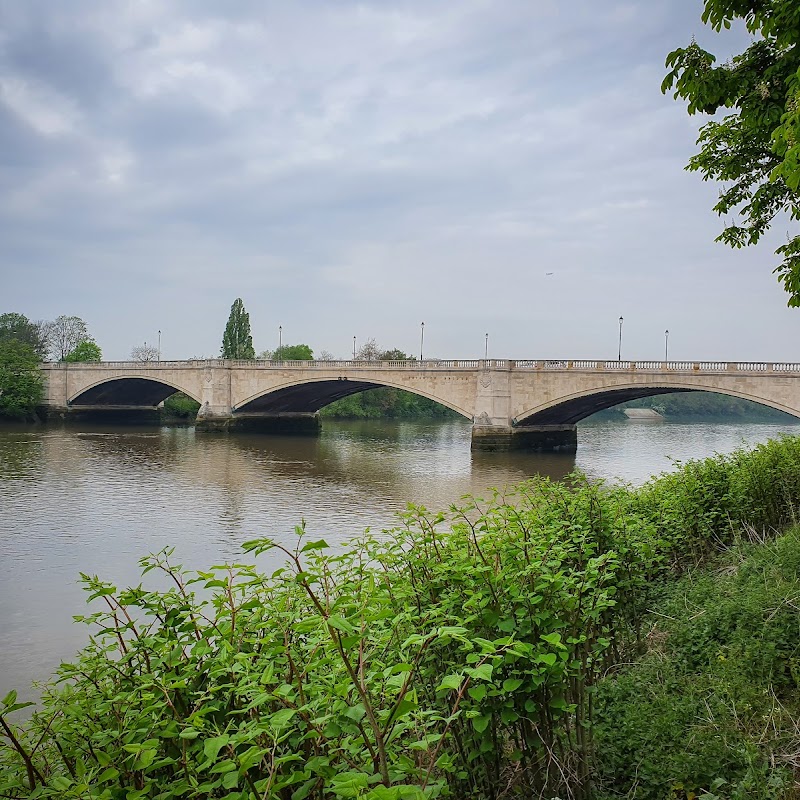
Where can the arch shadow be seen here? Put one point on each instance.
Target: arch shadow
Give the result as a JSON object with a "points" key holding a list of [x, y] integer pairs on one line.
{"points": [[127, 391], [574, 408], [311, 395]]}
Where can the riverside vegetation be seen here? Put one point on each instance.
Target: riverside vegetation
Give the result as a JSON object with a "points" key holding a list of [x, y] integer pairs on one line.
{"points": [[535, 644]]}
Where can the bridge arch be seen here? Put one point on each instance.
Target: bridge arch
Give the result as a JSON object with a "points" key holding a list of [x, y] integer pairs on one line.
{"points": [[312, 394], [573, 408], [128, 390]]}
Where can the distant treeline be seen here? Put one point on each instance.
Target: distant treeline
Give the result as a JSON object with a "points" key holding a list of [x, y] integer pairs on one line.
{"points": [[700, 405], [387, 403]]}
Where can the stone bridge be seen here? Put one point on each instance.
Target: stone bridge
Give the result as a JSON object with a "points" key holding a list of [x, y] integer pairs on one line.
{"points": [[511, 404]]}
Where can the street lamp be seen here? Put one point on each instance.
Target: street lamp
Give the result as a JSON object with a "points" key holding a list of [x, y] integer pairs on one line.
{"points": [[354, 348], [421, 338], [486, 349], [666, 345], [280, 342], [159, 345], [619, 351]]}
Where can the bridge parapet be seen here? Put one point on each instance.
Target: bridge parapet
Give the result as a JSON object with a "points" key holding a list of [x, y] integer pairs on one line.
{"points": [[439, 364]]}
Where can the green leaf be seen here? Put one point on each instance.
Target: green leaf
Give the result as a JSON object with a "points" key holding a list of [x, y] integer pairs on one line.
{"points": [[477, 693], [189, 733], [340, 624], [452, 681], [512, 684], [356, 712], [211, 747], [481, 723], [481, 673], [230, 779], [552, 638], [320, 544], [281, 718]]}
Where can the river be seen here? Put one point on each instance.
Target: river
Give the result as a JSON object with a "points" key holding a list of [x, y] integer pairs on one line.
{"points": [[95, 500]]}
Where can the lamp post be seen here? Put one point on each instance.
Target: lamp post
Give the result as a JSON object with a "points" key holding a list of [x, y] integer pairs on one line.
{"points": [[619, 350], [486, 348], [159, 345], [666, 345], [354, 348], [421, 338], [280, 342]]}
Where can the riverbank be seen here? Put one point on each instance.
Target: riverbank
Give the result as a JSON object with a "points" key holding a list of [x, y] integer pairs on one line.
{"points": [[460, 654]]}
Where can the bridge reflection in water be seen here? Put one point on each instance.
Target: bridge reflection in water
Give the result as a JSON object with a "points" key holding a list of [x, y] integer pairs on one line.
{"points": [[512, 405]]}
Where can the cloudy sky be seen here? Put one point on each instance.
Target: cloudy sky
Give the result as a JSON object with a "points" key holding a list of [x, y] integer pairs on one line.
{"points": [[356, 168]]}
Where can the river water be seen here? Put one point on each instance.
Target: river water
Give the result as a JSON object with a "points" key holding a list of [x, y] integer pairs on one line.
{"points": [[95, 500]]}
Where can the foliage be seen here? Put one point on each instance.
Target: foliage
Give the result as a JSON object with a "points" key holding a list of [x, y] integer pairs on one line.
{"points": [[754, 151], [21, 383], [20, 328], [387, 403], [457, 656], [65, 334], [290, 352], [237, 342], [85, 351], [144, 352], [711, 708], [180, 405]]}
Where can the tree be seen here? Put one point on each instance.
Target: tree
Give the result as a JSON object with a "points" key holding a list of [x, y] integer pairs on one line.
{"points": [[85, 351], [395, 355], [754, 151], [65, 334], [21, 329], [293, 352], [21, 382], [237, 341], [144, 352], [369, 351], [325, 355]]}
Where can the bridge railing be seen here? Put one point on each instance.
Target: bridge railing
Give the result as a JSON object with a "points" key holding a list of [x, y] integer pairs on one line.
{"points": [[448, 364]]}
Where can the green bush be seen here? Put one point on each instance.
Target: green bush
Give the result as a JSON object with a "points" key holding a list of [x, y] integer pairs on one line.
{"points": [[181, 406], [457, 656]]}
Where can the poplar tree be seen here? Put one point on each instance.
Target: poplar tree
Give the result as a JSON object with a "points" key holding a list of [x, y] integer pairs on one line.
{"points": [[237, 341]]}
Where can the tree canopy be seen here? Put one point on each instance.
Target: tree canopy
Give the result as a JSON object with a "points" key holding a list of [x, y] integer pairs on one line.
{"points": [[237, 341], [65, 334], [144, 352], [20, 328], [85, 351], [21, 382], [292, 352], [754, 151]]}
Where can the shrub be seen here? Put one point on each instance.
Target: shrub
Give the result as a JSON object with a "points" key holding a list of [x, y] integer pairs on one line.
{"points": [[458, 655]]}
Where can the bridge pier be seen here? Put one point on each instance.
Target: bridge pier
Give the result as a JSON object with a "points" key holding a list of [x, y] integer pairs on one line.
{"points": [[283, 424], [534, 438]]}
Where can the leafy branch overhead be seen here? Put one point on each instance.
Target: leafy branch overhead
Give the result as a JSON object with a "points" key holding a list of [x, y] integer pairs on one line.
{"points": [[753, 150]]}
